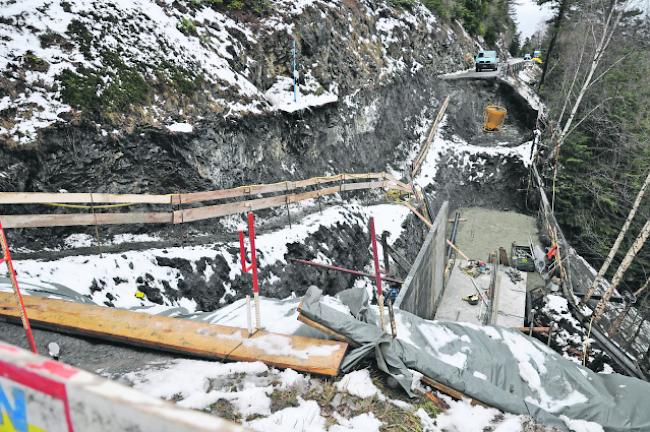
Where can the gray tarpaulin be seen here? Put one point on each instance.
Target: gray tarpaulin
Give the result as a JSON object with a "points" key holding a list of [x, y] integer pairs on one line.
{"points": [[500, 367]]}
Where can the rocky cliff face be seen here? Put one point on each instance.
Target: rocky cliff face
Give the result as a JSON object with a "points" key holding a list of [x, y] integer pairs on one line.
{"points": [[162, 96]]}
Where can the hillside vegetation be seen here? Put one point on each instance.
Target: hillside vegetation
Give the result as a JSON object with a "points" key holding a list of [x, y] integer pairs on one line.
{"points": [[606, 155]]}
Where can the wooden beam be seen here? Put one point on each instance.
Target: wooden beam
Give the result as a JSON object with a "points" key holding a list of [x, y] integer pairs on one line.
{"points": [[185, 198], [80, 198], [285, 186], [83, 219], [205, 212], [424, 150], [420, 216], [178, 335]]}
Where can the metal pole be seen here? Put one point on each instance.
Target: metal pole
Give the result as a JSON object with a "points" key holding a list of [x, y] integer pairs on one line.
{"points": [[242, 252], [295, 72], [252, 267], [6, 257], [375, 257], [384, 246], [256, 288], [344, 270], [454, 230]]}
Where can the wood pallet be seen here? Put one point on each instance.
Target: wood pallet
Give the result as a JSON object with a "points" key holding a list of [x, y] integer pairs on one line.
{"points": [[209, 341]]}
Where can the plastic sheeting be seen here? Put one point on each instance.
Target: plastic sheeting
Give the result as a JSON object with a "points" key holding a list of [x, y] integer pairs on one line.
{"points": [[497, 366]]}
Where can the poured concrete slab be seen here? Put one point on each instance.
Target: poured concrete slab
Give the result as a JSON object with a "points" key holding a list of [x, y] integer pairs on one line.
{"points": [[509, 304], [482, 231], [452, 307], [509, 299]]}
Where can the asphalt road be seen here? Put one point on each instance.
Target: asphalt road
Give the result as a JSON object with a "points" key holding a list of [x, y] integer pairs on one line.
{"points": [[488, 74]]}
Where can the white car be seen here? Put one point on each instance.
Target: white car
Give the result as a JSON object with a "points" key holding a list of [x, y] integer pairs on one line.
{"points": [[527, 57]]}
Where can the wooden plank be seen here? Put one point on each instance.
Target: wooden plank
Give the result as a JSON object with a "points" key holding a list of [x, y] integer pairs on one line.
{"points": [[185, 198], [80, 198], [81, 219], [365, 185], [197, 213], [285, 186], [218, 210], [195, 338], [422, 155]]}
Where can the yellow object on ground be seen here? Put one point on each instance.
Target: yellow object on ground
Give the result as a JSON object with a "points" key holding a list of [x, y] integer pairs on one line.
{"points": [[537, 60], [494, 117], [139, 294]]}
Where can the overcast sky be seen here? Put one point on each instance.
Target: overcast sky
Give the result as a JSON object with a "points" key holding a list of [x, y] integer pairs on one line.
{"points": [[530, 17]]}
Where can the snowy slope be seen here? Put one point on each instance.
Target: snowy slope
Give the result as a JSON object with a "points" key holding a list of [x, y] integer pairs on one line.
{"points": [[115, 277], [167, 61]]}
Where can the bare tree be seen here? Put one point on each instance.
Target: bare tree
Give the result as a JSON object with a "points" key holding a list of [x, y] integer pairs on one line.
{"points": [[617, 243], [618, 276], [610, 26], [557, 22]]}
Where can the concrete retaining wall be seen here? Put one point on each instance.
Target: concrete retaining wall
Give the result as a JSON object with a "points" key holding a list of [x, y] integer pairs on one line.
{"points": [[40, 394], [423, 287]]}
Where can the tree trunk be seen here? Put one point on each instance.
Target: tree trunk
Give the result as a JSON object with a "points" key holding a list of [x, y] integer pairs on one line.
{"points": [[638, 292], [557, 22], [608, 31], [617, 244], [618, 276], [616, 324]]}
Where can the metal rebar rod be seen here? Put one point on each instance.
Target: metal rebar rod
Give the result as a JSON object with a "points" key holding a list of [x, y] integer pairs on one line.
{"points": [[344, 270]]}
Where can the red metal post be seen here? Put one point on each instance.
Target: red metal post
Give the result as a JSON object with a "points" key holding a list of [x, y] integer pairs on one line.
{"points": [[4, 246], [251, 237], [242, 252], [375, 255]]}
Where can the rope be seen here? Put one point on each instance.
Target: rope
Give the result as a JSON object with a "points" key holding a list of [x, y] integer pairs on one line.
{"points": [[80, 206]]}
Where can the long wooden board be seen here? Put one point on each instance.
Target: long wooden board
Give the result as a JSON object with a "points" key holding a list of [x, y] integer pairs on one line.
{"points": [[285, 186], [178, 335], [84, 219], [424, 150], [187, 215], [81, 198], [184, 198]]}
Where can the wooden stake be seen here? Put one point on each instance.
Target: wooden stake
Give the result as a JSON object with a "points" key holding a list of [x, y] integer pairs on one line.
{"points": [[380, 303], [249, 317], [391, 317], [258, 314]]}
